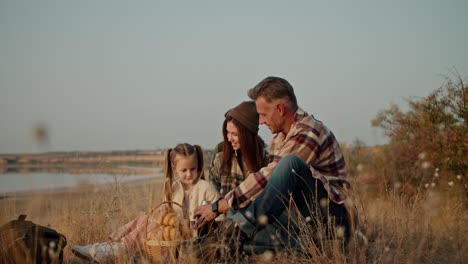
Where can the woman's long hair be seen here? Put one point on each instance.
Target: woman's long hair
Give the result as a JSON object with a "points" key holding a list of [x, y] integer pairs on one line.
{"points": [[252, 149]]}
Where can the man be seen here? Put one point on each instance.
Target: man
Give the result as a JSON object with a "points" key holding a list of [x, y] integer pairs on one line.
{"points": [[306, 165]]}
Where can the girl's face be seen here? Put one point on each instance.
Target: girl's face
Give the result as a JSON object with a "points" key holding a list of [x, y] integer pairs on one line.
{"points": [[232, 135], [186, 169]]}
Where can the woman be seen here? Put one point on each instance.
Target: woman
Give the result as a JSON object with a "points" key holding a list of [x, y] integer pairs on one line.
{"points": [[242, 152]]}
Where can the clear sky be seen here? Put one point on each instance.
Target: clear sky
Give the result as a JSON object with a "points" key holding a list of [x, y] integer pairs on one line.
{"points": [[121, 75]]}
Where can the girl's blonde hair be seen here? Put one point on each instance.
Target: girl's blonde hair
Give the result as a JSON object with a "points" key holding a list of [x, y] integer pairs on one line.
{"points": [[170, 160]]}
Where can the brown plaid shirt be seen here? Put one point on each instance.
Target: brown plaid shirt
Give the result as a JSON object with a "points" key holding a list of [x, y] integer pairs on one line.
{"points": [[314, 143], [225, 183]]}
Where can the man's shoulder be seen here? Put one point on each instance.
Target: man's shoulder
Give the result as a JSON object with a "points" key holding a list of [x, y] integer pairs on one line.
{"points": [[309, 124]]}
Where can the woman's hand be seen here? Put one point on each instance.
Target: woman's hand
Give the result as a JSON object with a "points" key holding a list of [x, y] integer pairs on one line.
{"points": [[203, 214]]}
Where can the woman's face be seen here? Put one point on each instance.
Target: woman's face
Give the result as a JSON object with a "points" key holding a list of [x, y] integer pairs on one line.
{"points": [[186, 169], [232, 135]]}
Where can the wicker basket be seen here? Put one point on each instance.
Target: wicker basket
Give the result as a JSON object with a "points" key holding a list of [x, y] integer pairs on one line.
{"points": [[160, 251], [156, 251]]}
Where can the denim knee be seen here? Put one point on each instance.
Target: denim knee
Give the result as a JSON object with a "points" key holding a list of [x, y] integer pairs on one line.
{"points": [[285, 166], [292, 163], [290, 159]]}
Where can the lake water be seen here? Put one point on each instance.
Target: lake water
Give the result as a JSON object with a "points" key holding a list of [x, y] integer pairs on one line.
{"points": [[38, 181]]}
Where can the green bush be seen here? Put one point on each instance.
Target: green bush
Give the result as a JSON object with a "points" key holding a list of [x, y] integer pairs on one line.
{"points": [[428, 143]]}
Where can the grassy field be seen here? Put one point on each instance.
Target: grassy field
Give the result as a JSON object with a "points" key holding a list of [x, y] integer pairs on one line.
{"points": [[429, 228]]}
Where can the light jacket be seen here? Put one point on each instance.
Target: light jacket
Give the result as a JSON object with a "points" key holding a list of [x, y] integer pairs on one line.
{"points": [[203, 190]]}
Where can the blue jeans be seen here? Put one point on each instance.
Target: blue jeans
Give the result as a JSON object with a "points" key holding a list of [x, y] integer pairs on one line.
{"points": [[290, 180]]}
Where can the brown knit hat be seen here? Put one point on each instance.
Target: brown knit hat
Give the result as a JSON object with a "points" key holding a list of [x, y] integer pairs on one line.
{"points": [[246, 114]]}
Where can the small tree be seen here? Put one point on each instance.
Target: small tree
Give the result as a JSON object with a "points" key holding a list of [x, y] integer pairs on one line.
{"points": [[431, 136]]}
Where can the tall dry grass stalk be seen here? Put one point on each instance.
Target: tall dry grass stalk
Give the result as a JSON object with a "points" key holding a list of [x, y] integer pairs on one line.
{"points": [[431, 228]]}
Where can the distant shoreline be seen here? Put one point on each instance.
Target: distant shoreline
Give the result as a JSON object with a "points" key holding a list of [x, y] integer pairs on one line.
{"points": [[154, 158], [76, 189], [108, 162], [126, 169], [93, 165]]}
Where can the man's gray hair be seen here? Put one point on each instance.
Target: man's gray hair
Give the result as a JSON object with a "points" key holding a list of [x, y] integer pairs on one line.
{"points": [[272, 88]]}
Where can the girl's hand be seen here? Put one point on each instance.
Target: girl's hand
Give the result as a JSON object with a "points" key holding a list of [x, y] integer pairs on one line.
{"points": [[203, 214]]}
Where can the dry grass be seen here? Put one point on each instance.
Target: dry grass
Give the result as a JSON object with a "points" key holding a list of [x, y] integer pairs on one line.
{"points": [[431, 228], [86, 214]]}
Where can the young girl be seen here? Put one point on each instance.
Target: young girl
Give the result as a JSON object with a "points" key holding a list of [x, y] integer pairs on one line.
{"points": [[189, 189]]}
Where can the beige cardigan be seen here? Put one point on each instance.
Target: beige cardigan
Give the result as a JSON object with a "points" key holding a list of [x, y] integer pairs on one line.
{"points": [[202, 190]]}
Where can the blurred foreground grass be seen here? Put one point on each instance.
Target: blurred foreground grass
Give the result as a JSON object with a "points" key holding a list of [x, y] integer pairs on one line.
{"points": [[431, 227]]}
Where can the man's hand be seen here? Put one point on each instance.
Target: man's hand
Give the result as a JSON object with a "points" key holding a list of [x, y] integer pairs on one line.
{"points": [[203, 214]]}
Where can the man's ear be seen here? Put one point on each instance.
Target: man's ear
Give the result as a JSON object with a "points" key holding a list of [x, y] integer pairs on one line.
{"points": [[281, 109]]}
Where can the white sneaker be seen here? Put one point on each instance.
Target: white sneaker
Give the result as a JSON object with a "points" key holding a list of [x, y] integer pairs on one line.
{"points": [[82, 251], [99, 252]]}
